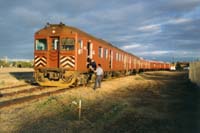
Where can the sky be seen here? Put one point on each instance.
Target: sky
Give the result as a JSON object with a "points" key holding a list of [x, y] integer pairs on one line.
{"points": [[166, 30]]}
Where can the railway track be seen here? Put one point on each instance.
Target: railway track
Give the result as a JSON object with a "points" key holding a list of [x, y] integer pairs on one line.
{"points": [[13, 87], [14, 95], [27, 94], [29, 90]]}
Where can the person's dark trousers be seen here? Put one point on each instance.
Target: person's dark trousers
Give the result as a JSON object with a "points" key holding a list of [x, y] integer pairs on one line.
{"points": [[98, 82], [89, 77]]}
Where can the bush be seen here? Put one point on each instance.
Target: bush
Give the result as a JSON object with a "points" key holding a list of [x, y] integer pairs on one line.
{"points": [[23, 64], [3, 63], [19, 64]]}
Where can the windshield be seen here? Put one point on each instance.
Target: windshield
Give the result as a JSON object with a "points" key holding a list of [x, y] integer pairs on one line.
{"points": [[41, 44], [67, 44]]}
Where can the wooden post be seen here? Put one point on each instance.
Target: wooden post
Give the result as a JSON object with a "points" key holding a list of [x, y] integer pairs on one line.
{"points": [[79, 110]]}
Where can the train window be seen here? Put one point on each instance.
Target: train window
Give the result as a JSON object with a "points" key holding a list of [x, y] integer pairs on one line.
{"points": [[41, 44], [100, 52], [80, 42], [117, 56], [67, 44], [106, 53]]}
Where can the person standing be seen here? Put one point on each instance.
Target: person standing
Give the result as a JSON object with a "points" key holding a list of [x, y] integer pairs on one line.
{"points": [[99, 76]]}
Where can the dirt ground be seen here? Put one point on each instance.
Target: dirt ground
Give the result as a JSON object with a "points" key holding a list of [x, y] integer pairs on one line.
{"points": [[152, 102]]}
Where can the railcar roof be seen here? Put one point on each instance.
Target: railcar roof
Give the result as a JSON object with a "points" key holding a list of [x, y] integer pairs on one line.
{"points": [[61, 25]]}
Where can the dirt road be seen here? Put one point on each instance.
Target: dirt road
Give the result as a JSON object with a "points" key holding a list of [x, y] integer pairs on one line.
{"points": [[161, 102]]}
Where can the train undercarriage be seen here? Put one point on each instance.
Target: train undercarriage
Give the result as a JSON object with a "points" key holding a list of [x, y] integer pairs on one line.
{"points": [[65, 78], [56, 77]]}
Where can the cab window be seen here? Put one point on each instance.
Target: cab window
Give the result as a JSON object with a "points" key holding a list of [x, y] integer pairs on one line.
{"points": [[67, 44], [41, 44]]}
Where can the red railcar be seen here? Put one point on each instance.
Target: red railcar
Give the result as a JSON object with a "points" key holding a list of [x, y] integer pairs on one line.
{"points": [[61, 55]]}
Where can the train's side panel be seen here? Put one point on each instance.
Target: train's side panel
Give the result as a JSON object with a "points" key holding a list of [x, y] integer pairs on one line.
{"points": [[98, 51], [82, 52], [111, 58], [100, 54]]}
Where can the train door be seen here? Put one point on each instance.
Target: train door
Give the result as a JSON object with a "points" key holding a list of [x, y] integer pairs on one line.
{"points": [[89, 50], [111, 60], [54, 52]]}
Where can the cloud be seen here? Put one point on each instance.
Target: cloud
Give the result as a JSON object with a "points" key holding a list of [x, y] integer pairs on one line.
{"points": [[150, 28], [132, 46], [183, 5], [27, 16], [180, 20], [155, 53], [153, 29]]}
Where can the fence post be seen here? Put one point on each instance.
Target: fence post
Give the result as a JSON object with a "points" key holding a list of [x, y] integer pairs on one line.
{"points": [[79, 110]]}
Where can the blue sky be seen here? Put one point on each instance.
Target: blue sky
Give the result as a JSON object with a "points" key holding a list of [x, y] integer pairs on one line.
{"points": [[159, 29]]}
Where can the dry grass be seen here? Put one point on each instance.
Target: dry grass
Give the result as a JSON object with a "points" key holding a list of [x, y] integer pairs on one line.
{"points": [[10, 69], [15, 76], [140, 103]]}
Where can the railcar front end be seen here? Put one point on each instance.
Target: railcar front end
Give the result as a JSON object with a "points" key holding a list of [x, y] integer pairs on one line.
{"points": [[54, 56]]}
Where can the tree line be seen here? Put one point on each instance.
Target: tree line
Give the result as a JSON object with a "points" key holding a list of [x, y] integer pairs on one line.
{"points": [[19, 64]]}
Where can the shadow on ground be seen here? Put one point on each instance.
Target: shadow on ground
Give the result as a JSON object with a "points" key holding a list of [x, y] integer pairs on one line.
{"points": [[181, 100], [169, 106], [25, 76]]}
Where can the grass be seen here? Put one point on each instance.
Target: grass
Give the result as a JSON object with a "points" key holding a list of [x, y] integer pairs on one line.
{"points": [[126, 104], [139, 78], [2, 83]]}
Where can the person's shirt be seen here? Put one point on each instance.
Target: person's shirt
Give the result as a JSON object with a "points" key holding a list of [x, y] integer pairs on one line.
{"points": [[99, 71]]}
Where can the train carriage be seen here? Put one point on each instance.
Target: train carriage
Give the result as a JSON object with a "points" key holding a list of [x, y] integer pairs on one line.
{"points": [[61, 56]]}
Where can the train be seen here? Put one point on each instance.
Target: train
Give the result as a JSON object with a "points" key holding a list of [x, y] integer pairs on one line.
{"points": [[61, 54]]}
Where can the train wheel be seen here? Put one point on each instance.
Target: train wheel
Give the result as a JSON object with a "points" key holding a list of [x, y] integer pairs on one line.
{"points": [[69, 78]]}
